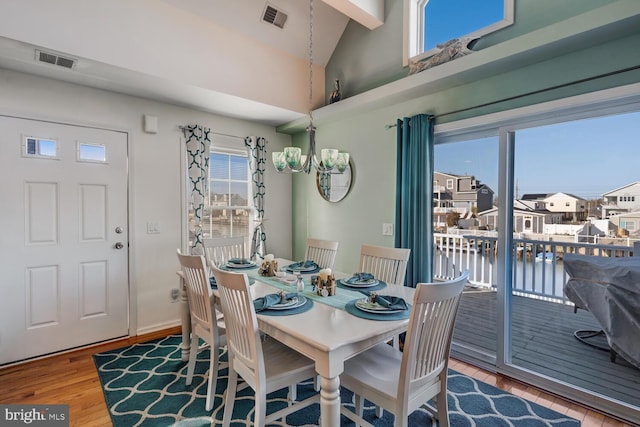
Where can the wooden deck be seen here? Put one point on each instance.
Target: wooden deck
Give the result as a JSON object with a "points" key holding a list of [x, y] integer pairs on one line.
{"points": [[543, 342]]}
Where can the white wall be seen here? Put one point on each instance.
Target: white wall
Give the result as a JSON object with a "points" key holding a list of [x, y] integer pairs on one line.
{"points": [[155, 176], [157, 39]]}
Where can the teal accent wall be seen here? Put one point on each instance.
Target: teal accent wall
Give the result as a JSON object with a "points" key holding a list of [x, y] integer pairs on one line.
{"points": [[365, 59], [358, 218]]}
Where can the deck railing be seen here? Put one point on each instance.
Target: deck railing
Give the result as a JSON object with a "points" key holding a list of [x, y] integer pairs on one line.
{"points": [[537, 267]]}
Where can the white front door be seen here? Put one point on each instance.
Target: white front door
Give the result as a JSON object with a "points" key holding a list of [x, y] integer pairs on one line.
{"points": [[64, 240]]}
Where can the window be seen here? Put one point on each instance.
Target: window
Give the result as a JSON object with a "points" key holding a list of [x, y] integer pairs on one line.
{"points": [[230, 204], [228, 208], [39, 147], [428, 23], [449, 184], [92, 153], [567, 203]]}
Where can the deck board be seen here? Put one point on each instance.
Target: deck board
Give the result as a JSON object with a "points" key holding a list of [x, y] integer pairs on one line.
{"points": [[543, 342]]}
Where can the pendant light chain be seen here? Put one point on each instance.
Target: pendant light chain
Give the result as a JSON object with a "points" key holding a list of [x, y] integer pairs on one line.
{"points": [[291, 159], [311, 62]]}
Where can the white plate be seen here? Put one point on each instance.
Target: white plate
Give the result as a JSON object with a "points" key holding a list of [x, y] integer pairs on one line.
{"points": [[294, 302], [366, 284], [232, 265], [365, 305]]}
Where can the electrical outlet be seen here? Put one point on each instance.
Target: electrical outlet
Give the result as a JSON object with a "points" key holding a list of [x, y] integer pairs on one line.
{"points": [[174, 295], [387, 229]]}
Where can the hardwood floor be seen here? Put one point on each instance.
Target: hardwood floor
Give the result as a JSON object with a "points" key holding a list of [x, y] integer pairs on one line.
{"points": [[71, 378]]}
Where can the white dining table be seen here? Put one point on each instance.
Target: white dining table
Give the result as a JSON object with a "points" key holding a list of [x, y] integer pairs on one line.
{"points": [[325, 334]]}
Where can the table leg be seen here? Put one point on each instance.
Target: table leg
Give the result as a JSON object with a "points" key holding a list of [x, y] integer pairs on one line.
{"points": [[185, 319], [329, 402]]}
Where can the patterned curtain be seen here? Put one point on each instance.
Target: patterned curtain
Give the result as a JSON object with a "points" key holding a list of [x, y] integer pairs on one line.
{"points": [[414, 195], [198, 154], [257, 153]]}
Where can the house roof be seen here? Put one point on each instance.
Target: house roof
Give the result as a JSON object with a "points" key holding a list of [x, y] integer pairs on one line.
{"points": [[637, 183], [535, 196]]}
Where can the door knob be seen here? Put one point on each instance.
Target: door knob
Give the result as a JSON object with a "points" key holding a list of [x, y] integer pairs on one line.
{"points": [[119, 245], [119, 230]]}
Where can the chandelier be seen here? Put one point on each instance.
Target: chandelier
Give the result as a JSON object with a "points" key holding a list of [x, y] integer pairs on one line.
{"points": [[292, 160]]}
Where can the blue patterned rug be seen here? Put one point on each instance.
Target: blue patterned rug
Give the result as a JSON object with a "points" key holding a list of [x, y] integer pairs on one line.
{"points": [[144, 385]]}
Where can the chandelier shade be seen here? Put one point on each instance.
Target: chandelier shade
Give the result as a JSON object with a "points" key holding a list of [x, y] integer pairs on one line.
{"points": [[292, 160]]}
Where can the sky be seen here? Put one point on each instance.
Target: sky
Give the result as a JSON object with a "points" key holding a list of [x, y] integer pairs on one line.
{"points": [[440, 27], [585, 158]]}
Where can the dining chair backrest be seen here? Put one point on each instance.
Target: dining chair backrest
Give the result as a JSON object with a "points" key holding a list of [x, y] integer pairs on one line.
{"points": [[386, 264], [243, 335], [205, 322], [219, 250], [428, 340], [196, 278], [322, 252]]}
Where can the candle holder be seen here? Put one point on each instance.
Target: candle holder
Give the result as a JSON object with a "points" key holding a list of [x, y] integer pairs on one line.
{"points": [[268, 268], [324, 288]]}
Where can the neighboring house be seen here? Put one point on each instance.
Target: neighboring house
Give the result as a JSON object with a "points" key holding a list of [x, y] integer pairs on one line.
{"points": [[524, 220], [571, 208], [535, 204], [460, 193], [627, 224], [621, 200]]}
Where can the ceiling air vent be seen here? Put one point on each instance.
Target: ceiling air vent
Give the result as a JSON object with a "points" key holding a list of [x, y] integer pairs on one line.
{"points": [[274, 16], [54, 59]]}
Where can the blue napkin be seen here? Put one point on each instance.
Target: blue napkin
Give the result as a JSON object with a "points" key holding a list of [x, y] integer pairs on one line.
{"points": [[391, 302], [360, 277], [240, 261], [268, 300], [213, 283], [308, 264]]}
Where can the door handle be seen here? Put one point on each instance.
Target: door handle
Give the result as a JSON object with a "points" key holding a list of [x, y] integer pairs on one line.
{"points": [[119, 245]]}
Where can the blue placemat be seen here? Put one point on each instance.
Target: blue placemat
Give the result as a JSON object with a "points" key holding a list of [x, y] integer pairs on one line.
{"points": [[304, 307], [250, 267], [379, 286], [352, 309], [295, 267]]}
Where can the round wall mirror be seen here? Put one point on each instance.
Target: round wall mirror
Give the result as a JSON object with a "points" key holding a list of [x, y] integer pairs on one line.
{"points": [[334, 186]]}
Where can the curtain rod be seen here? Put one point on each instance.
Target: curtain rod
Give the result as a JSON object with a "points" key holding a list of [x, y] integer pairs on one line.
{"points": [[183, 128], [535, 92]]}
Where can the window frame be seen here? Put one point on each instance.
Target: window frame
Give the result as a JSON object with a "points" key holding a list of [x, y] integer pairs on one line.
{"points": [[413, 29], [250, 205]]}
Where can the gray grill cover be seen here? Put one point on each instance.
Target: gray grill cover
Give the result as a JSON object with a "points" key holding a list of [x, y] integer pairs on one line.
{"points": [[610, 289]]}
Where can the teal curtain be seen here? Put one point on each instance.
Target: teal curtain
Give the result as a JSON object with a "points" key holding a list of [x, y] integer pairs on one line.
{"points": [[198, 143], [414, 195], [257, 152]]}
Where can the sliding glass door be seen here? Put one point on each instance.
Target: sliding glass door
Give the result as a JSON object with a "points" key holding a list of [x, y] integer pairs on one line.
{"points": [[562, 181]]}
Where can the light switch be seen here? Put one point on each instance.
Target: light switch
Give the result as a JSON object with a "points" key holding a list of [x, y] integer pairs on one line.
{"points": [[153, 227], [387, 229]]}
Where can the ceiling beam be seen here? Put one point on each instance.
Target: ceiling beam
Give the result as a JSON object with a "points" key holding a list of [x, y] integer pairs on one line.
{"points": [[369, 13]]}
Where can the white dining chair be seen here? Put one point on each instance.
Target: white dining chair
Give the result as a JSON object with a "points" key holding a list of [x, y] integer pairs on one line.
{"points": [[205, 323], [386, 264], [402, 382], [322, 252], [219, 250], [265, 365]]}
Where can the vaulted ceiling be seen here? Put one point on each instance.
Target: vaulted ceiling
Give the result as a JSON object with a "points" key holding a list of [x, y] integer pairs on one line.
{"points": [[218, 56]]}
